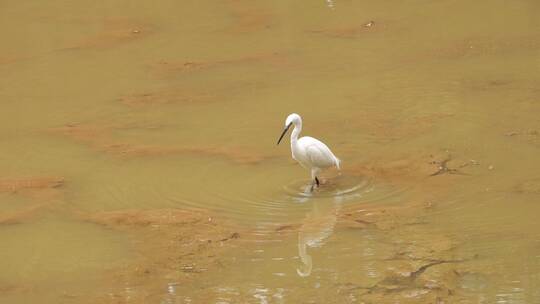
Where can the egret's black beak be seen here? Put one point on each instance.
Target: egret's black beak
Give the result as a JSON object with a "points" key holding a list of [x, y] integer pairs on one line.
{"points": [[284, 131]]}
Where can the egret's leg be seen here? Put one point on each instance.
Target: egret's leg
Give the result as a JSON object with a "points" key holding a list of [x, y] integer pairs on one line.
{"points": [[314, 172]]}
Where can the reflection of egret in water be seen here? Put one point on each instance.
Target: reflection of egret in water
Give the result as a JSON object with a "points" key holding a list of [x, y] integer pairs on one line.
{"points": [[317, 227], [326, 203], [330, 4]]}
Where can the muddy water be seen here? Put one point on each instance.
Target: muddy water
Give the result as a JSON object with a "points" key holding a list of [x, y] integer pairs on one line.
{"points": [[139, 164]]}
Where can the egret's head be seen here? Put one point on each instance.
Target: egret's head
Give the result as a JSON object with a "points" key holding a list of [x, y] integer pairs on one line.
{"points": [[291, 119]]}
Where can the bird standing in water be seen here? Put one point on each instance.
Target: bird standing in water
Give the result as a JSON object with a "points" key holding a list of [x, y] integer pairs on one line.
{"points": [[310, 152]]}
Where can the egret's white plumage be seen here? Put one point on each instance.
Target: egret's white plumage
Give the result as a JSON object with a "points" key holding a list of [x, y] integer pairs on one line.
{"points": [[310, 152]]}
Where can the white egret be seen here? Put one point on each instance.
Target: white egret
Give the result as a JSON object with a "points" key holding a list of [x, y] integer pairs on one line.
{"points": [[309, 152]]}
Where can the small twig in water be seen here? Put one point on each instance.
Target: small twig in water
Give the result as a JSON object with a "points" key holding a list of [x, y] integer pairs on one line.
{"points": [[444, 169]]}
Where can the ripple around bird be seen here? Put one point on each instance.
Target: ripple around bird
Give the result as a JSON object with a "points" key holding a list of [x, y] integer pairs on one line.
{"points": [[290, 202], [259, 201]]}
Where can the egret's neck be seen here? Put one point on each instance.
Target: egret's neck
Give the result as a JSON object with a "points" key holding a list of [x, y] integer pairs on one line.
{"points": [[295, 133]]}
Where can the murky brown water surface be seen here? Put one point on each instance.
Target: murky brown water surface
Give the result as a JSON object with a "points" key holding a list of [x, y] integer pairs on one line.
{"points": [[138, 161]]}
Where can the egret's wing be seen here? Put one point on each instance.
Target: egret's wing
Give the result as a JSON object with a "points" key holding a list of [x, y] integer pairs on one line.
{"points": [[315, 155], [319, 154]]}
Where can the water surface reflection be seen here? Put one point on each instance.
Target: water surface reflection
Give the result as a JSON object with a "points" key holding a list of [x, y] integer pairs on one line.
{"points": [[317, 226]]}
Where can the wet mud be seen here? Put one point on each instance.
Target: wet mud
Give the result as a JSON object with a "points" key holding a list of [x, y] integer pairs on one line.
{"points": [[30, 184], [173, 246], [101, 138], [351, 32], [247, 18], [189, 246], [38, 194], [164, 97], [420, 115], [485, 46], [114, 31], [271, 59]]}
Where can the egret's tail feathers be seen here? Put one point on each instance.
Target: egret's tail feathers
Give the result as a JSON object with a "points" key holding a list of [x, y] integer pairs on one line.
{"points": [[338, 162]]}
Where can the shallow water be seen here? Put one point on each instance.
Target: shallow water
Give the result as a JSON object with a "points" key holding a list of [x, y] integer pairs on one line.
{"points": [[139, 163]]}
